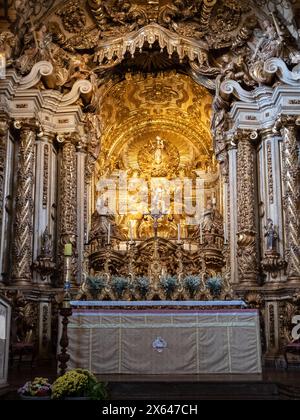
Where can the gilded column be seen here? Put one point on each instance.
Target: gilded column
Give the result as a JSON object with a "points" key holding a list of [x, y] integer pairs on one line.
{"points": [[43, 239], [81, 205], [270, 189], [23, 226], [292, 196], [232, 216], [3, 143], [247, 200], [68, 196], [3, 148]]}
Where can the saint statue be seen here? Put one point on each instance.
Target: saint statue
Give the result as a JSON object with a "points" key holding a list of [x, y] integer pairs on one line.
{"points": [[271, 235], [46, 248]]}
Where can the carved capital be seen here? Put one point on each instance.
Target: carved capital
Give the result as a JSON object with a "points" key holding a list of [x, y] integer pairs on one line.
{"points": [[68, 138], [4, 126], [28, 124], [287, 121], [245, 135]]}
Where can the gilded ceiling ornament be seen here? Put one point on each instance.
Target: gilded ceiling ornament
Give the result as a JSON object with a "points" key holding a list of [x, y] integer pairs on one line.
{"points": [[73, 16]]}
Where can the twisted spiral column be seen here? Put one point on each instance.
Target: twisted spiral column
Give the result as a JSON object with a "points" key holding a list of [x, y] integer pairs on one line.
{"points": [[247, 232], [23, 226], [292, 196]]}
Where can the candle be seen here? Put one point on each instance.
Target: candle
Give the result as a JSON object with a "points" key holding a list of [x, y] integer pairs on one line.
{"points": [[68, 250], [109, 233], [179, 232], [131, 232], [225, 233]]}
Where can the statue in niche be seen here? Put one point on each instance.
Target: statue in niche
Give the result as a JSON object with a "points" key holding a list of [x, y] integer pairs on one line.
{"points": [[46, 247], [271, 235]]}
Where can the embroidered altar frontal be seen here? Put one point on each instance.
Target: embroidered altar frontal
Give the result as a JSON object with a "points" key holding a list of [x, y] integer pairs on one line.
{"points": [[165, 341]]}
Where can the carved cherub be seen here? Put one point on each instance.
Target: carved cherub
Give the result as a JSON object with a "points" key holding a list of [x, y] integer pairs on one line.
{"points": [[8, 44]]}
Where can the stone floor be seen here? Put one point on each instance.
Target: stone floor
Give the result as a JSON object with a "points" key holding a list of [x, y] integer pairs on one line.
{"points": [[271, 385]]}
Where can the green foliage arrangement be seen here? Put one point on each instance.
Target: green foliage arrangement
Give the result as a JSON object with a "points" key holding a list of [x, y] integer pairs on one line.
{"points": [[78, 383], [119, 285], [214, 285], [192, 284], [142, 285], [169, 285]]}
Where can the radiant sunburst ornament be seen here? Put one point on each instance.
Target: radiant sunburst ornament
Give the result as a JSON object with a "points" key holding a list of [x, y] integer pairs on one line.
{"points": [[159, 159]]}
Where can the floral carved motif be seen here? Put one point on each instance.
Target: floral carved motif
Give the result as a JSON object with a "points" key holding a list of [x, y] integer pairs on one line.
{"points": [[73, 17], [270, 173]]}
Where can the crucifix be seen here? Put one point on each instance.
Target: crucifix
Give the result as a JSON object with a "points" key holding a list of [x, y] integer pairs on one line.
{"points": [[156, 215]]}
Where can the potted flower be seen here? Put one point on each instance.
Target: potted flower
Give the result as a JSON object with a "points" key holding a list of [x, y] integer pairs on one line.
{"points": [[214, 285], [38, 389], [79, 384]]}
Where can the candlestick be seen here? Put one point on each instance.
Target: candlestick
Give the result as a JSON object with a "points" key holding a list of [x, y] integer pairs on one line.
{"points": [[109, 233], [68, 250]]}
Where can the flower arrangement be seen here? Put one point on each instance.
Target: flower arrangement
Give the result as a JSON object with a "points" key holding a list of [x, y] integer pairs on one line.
{"points": [[78, 383], [214, 285], [169, 285], [95, 284], [142, 285], [192, 283], [120, 284], [39, 387]]}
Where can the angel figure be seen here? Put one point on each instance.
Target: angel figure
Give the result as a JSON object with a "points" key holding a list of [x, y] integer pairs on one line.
{"points": [[8, 44]]}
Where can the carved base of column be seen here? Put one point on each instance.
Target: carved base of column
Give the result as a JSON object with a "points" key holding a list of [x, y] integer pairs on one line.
{"points": [[294, 280], [273, 263], [21, 282], [249, 280]]}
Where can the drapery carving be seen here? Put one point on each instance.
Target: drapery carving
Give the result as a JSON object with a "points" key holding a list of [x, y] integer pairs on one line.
{"points": [[292, 195], [247, 249], [3, 142], [23, 227], [68, 196]]}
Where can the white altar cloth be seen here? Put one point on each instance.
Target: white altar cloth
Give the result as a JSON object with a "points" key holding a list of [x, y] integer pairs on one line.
{"points": [[165, 341]]}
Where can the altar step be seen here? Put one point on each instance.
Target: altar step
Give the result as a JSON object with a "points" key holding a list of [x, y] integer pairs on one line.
{"points": [[198, 391]]}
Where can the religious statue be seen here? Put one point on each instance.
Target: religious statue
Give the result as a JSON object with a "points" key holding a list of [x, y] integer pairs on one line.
{"points": [[46, 247], [271, 235], [145, 229], [7, 46], [269, 45], [266, 46]]}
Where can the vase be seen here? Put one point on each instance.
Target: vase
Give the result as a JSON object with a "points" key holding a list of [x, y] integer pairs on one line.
{"points": [[32, 398]]}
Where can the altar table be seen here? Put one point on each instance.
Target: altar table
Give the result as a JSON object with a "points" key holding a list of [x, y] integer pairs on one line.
{"points": [[164, 341]]}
